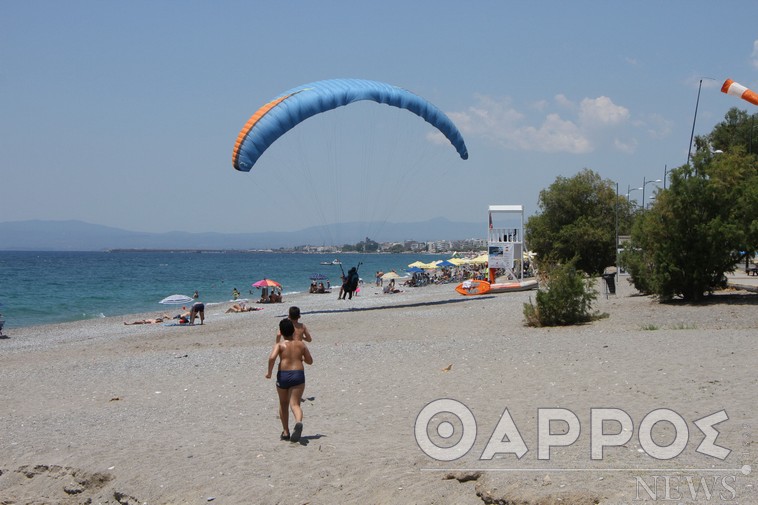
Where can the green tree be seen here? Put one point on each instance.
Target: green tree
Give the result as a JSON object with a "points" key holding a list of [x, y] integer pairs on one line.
{"points": [[697, 228], [737, 129], [367, 246], [577, 219]]}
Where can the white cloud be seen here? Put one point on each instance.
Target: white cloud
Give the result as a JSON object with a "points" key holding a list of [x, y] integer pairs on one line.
{"points": [[601, 111], [489, 118], [655, 125], [553, 135], [625, 146], [754, 56], [561, 100], [578, 131]]}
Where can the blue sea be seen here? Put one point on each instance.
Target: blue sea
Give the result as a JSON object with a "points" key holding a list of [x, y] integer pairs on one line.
{"points": [[53, 287]]}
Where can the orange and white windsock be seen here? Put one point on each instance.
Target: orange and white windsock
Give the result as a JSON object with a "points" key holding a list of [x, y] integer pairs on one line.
{"points": [[736, 89]]}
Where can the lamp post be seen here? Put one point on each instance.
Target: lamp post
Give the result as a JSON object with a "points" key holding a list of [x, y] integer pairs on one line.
{"points": [[629, 189], [665, 175], [645, 183]]}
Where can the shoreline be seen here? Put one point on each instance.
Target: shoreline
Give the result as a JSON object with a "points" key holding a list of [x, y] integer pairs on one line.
{"points": [[89, 405], [134, 284]]}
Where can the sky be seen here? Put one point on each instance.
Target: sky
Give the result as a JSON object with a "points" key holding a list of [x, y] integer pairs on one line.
{"points": [[125, 114]]}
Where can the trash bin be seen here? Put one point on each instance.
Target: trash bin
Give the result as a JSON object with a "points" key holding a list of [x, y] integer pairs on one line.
{"points": [[610, 281]]}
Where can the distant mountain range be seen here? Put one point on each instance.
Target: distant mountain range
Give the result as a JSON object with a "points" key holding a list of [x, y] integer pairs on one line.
{"points": [[80, 236]]}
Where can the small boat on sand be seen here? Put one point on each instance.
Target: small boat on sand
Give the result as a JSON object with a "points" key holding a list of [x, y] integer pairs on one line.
{"points": [[476, 287], [473, 287], [513, 286]]}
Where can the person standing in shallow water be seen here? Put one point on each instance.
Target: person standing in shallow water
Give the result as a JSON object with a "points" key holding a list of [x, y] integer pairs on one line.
{"points": [[290, 378]]}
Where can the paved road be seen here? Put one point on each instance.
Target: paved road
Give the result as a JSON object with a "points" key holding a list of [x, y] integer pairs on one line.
{"points": [[739, 279]]}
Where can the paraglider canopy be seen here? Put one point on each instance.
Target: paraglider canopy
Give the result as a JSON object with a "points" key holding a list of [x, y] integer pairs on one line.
{"points": [[280, 115]]}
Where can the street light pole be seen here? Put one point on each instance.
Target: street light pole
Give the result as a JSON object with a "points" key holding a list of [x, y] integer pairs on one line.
{"points": [[629, 189], [665, 175], [643, 189]]}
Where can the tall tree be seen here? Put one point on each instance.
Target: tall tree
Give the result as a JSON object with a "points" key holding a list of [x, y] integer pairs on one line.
{"points": [[577, 219], [737, 129], [699, 228]]}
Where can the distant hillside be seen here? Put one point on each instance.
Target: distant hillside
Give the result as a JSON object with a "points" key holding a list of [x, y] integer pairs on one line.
{"points": [[80, 236]]}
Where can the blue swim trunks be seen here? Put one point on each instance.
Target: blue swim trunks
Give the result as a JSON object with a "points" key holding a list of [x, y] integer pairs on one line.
{"points": [[286, 379]]}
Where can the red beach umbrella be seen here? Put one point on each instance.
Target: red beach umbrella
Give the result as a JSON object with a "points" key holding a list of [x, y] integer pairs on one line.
{"points": [[266, 283]]}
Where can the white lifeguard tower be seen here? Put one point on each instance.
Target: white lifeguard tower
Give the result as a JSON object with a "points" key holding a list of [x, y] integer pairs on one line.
{"points": [[505, 240]]}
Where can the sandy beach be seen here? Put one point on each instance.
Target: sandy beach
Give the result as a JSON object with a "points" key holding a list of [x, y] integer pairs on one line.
{"points": [[101, 412]]}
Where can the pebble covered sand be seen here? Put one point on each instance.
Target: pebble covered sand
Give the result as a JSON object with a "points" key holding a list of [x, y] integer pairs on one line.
{"points": [[102, 412]]}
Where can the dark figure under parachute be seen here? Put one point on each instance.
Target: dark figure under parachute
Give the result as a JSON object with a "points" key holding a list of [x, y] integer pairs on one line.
{"points": [[349, 283]]}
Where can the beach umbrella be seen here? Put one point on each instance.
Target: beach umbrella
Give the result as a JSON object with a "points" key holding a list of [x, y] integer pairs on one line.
{"points": [[415, 270], [445, 263], [176, 300], [481, 259], [428, 266], [390, 275], [266, 283], [416, 264], [318, 277]]}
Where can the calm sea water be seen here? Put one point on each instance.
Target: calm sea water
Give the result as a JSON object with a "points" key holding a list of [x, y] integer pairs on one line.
{"points": [[52, 287]]}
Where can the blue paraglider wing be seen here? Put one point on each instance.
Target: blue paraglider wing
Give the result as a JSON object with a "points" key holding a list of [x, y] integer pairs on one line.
{"points": [[296, 105]]}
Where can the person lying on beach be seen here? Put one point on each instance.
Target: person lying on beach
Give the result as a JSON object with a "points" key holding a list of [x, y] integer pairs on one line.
{"points": [[242, 307], [390, 288], [149, 321], [290, 378], [301, 331]]}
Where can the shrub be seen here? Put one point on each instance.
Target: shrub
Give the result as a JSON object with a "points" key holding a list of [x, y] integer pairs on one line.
{"points": [[565, 297]]}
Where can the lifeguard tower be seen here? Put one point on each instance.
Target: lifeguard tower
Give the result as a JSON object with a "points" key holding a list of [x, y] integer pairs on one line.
{"points": [[505, 240]]}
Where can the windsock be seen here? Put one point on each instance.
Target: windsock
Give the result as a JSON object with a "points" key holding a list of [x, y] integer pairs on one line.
{"points": [[736, 89]]}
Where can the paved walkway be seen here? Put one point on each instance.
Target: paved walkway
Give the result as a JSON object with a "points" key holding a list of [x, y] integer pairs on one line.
{"points": [[740, 280]]}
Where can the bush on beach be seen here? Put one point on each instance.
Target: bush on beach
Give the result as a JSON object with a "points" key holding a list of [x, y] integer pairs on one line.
{"points": [[565, 297]]}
